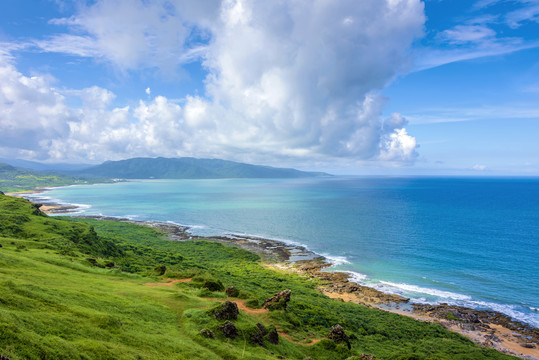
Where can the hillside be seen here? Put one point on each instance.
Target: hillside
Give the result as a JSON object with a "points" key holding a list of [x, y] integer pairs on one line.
{"points": [[189, 168], [14, 179], [91, 289]]}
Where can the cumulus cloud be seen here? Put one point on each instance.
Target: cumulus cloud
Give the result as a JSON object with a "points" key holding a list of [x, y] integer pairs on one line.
{"points": [[294, 79]]}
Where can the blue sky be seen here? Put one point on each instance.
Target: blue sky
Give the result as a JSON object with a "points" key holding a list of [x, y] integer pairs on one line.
{"points": [[351, 86]]}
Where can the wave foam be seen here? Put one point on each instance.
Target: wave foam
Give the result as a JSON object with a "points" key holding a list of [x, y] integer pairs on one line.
{"points": [[336, 260], [424, 290]]}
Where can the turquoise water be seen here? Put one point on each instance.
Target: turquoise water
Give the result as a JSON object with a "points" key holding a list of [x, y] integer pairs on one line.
{"points": [[466, 241]]}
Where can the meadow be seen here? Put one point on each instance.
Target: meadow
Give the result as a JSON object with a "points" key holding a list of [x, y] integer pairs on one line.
{"points": [[73, 288]]}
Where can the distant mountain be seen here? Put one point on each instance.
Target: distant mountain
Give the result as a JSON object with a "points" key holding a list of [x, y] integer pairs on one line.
{"points": [[34, 165], [189, 168]]}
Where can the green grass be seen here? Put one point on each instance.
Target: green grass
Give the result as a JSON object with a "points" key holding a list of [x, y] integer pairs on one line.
{"points": [[56, 304]]}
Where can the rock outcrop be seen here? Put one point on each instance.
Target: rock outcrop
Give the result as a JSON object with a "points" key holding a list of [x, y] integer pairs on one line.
{"points": [[338, 335], [229, 330], [227, 311], [232, 291], [278, 301]]}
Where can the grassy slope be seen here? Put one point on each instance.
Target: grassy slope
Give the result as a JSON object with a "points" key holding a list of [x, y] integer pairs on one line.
{"points": [[54, 304]]}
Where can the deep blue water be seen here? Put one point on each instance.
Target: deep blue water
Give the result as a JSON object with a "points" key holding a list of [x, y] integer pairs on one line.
{"points": [[468, 241]]}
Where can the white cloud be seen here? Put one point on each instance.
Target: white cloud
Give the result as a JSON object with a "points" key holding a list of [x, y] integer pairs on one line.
{"points": [[479, 167], [295, 80]]}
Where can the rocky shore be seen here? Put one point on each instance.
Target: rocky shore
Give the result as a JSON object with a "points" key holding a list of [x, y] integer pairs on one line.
{"points": [[488, 328]]}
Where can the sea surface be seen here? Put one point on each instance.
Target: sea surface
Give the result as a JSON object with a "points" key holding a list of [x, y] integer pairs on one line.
{"points": [[467, 241]]}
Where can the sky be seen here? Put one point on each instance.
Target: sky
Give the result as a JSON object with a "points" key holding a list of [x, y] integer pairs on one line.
{"points": [[388, 87]]}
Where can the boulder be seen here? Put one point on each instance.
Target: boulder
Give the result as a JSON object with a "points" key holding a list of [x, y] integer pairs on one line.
{"points": [[229, 330], [338, 335], [278, 301], [232, 291], [227, 311], [257, 336], [273, 337]]}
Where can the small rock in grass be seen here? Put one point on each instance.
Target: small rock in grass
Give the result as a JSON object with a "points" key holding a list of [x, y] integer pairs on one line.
{"points": [[229, 330], [232, 291], [207, 333]]}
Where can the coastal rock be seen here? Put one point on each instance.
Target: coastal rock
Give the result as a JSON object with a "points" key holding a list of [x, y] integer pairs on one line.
{"points": [[207, 333], [227, 311], [273, 336], [2, 357], [229, 330], [232, 291], [338, 335], [528, 346], [278, 301]]}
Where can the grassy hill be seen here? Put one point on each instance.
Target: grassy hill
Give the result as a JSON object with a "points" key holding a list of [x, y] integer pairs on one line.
{"points": [[13, 179], [89, 289], [189, 168]]}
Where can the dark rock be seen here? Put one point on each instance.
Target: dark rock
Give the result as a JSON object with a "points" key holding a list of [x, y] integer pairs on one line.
{"points": [[227, 311], [92, 261], [0, 245], [257, 337], [261, 329], [232, 291], [229, 330], [1, 193], [528, 346], [278, 301], [110, 264], [207, 333], [273, 337], [214, 285], [338, 335], [2, 357]]}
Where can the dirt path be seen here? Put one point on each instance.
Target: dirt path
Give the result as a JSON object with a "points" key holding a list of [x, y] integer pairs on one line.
{"points": [[169, 282], [289, 338]]}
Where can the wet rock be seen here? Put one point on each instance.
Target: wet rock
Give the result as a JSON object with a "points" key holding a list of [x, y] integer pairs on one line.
{"points": [[273, 337], [232, 291], [338, 335], [227, 311], [278, 301], [207, 333], [229, 330]]}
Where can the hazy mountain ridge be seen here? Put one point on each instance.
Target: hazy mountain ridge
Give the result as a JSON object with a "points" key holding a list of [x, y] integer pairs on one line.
{"points": [[190, 168]]}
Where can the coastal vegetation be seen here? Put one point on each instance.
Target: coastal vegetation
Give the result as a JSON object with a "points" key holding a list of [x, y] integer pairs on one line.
{"points": [[13, 179], [93, 289]]}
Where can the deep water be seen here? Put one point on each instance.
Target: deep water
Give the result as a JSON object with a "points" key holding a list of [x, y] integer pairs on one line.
{"points": [[467, 241]]}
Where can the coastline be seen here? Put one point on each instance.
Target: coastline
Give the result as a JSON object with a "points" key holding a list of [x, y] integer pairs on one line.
{"points": [[487, 328]]}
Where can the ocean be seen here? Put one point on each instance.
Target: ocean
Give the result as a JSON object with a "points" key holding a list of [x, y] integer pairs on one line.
{"points": [[472, 242]]}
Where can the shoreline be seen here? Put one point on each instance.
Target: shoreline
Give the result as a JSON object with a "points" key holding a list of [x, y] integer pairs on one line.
{"points": [[487, 328]]}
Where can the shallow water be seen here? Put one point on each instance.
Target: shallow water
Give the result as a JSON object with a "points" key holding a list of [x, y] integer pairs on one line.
{"points": [[466, 241]]}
